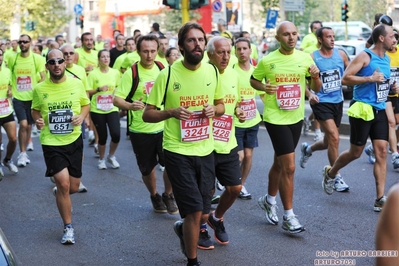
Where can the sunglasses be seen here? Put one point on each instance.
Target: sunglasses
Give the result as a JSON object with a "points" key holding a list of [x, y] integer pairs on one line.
{"points": [[54, 61], [23, 42], [69, 53]]}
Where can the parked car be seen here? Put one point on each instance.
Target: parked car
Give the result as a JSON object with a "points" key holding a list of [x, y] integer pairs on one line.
{"points": [[353, 47], [7, 256]]}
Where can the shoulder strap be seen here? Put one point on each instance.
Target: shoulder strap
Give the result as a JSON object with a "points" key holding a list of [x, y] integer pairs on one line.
{"points": [[159, 65], [166, 87], [73, 74], [135, 83], [216, 71]]}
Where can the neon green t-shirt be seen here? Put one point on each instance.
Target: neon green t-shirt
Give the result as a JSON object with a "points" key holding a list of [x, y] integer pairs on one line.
{"points": [[87, 59], [99, 46], [192, 137], [223, 127], [248, 94], [118, 62], [254, 52], [309, 43], [9, 54], [288, 72], [162, 60], [103, 102], [130, 59], [146, 82], [57, 103], [5, 103], [77, 72], [24, 74]]}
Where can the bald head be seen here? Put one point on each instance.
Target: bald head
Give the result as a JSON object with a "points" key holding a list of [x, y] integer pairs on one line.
{"points": [[283, 26]]}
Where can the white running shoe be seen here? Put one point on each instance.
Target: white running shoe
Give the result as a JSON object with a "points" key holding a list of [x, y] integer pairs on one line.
{"points": [[1, 173], [22, 157], [82, 188], [112, 160], [161, 168], [11, 166], [69, 236], [101, 164], [30, 146], [2, 147]]}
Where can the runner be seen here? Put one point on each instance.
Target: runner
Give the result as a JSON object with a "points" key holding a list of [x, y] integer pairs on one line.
{"points": [[193, 97], [59, 107], [283, 115]]}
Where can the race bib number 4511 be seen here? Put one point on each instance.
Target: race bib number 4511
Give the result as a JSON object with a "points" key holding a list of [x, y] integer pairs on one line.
{"points": [[195, 128], [59, 121], [288, 96]]}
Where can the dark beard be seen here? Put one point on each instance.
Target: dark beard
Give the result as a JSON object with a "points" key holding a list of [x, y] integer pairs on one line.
{"points": [[193, 59], [57, 77]]}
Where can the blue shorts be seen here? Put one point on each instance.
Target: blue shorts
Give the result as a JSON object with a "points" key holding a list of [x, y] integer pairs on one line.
{"points": [[247, 137], [23, 110]]}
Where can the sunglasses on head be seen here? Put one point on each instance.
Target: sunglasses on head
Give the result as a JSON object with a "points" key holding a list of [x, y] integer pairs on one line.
{"points": [[69, 53], [23, 42], [56, 60]]}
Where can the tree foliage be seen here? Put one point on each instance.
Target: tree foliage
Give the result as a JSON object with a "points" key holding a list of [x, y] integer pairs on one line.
{"points": [[50, 16], [171, 19]]}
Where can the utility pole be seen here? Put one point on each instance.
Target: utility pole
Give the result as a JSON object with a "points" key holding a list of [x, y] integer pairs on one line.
{"points": [[185, 4]]}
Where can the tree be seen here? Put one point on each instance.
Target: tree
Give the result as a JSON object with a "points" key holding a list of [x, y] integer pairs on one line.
{"points": [[50, 16], [172, 19]]}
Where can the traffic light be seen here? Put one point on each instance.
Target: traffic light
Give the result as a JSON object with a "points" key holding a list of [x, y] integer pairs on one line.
{"points": [[33, 25], [173, 4], [195, 4], [81, 18], [344, 11], [30, 26]]}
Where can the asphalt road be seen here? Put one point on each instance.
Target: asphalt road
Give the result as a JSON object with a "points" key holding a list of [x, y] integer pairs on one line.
{"points": [[115, 224]]}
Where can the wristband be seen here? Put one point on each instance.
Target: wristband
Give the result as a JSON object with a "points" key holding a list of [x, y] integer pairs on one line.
{"points": [[315, 78]]}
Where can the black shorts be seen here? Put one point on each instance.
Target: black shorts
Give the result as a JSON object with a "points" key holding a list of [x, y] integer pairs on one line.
{"points": [[192, 179], [284, 137], [375, 129], [227, 168], [68, 156], [5, 120], [247, 137], [23, 110], [395, 104], [325, 111], [148, 150]]}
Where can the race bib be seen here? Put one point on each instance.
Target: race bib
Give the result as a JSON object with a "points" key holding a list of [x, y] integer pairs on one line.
{"points": [[148, 87], [331, 80], [222, 127], [195, 128], [105, 102], [24, 83], [249, 108], [4, 107], [59, 121], [288, 96], [382, 90]]}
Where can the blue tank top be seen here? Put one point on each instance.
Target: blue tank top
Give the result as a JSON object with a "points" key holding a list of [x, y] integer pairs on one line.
{"points": [[373, 93], [331, 71]]}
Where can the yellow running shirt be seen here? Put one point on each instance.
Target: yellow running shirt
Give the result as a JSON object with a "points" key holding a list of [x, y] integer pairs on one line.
{"points": [[102, 102], [87, 59], [223, 127], [5, 103], [288, 72], [57, 103], [192, 137]]}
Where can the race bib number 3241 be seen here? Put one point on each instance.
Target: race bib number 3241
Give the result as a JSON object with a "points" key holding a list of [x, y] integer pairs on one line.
{"points": [[195, 128]]}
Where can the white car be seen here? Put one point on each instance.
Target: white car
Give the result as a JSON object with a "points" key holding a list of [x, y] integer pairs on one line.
{"points": [[353, 47]]}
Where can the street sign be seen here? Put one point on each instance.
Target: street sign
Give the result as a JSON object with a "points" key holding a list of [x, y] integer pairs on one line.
{"points": [[271, 19], [217, 6], [294, 5], [78, 8]]}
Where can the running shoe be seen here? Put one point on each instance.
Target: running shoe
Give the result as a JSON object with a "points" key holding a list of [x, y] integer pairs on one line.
{"points": [[68, 237], [21, 162], [82, 188], [219, 186], [328, 183], [395, 161], [178, 228], [11, 166], [161, 168], [157, 204], [112, 160], [340, 185], [370, 153], [379, 203], [292, 225], [304, 155], [30, 146], [204, 240], [318, 136], [244, 194], [1, 173], [306, 126], [218, 227], [271, 210], [170, 203], [215, 199], [101, 164]]}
